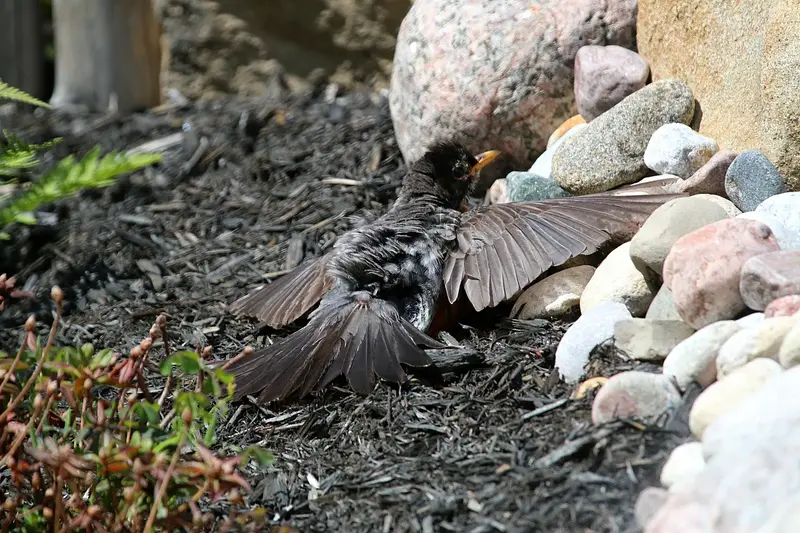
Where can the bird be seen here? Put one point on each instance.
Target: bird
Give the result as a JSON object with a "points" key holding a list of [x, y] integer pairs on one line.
{"points": [[383, 286]]}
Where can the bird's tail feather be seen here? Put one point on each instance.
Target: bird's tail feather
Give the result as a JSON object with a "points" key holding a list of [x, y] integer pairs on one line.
{"points": [[359, 336]]}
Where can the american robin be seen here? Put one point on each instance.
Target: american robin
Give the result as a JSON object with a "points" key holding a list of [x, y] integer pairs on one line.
{"points": [[380, 286]]}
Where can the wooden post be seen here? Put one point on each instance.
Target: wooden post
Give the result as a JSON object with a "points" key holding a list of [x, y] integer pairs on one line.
{"points": [[21, 46], [108, 52]]}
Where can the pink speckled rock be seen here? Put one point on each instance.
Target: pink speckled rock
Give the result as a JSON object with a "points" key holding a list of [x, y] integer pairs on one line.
{"points": [[703, 268], [783, 306], [710, 178], [604, 76], [495, 74]]}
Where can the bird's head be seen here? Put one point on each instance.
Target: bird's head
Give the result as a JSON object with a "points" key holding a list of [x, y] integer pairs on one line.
{"points": [[451, 171]]}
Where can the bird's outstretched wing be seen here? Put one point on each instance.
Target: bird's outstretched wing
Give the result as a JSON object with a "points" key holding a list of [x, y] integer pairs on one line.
{"points": [[362, 337], [502, 248], [289, 297]]}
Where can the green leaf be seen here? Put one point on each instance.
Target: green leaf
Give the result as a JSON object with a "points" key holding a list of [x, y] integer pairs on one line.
{"points": [[102, 359], [168, 443], [262, 456], [70, 177], [208, 438], [25, 218], [12, 93], [186, 360], [148, 411], [103, 486]]}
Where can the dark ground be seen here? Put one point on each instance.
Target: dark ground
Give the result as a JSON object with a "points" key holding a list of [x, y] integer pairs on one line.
{"points": [[492, 445]]}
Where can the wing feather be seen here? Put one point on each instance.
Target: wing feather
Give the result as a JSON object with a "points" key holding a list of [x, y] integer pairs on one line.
{"points": [[502, 248], [286, 299]]}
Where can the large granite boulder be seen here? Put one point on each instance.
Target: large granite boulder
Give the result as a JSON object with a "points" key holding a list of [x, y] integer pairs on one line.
{"points": [[495, 74], [741, 60]]}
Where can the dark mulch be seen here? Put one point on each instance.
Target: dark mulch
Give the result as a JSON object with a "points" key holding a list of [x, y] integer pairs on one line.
{"points": [[491, 443]]}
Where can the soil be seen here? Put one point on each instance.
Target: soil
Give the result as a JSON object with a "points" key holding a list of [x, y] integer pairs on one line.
{"points": [[242, 46], [492, 442]]}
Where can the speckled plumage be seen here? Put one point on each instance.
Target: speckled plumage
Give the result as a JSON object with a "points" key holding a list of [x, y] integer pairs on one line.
{"points": [[380, 287]]}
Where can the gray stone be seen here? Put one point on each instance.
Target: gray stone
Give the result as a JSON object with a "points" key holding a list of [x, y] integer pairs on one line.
{"points": [[678, 150], [751, 179], [667, 224], [767, 277], [495, 74], [590, 330], [543, 166], [724, 203], [604, 75], [527, 187], [649, 340], [609, 151], [498, 192]]}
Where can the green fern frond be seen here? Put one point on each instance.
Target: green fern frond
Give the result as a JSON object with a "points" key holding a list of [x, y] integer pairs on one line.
{"points": [[12, 93], [11, 164], [16, 154], [70, 177]]}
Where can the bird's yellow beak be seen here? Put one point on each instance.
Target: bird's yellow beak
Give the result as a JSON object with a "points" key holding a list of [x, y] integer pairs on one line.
{"points": [[484, 159]]}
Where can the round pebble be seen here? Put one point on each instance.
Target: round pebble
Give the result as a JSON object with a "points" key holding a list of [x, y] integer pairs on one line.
{"points": [[554, 296], [649, 501], [710, 178], [683, 465], [703, 268], [590, 330], [543, 166], [669, 222], [618, 280], [663, 306], [784, 306], [751, 320], [565, 127], [498, 193], [725, 395], [767, 277], [649, 340], [694, 359], [604, 75], [724, 203], [640, 395], [679, 150], [789, 352], [787, 239], [762, 340], [786, 209], [528, 187], [751, 179], [609, 150]]}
